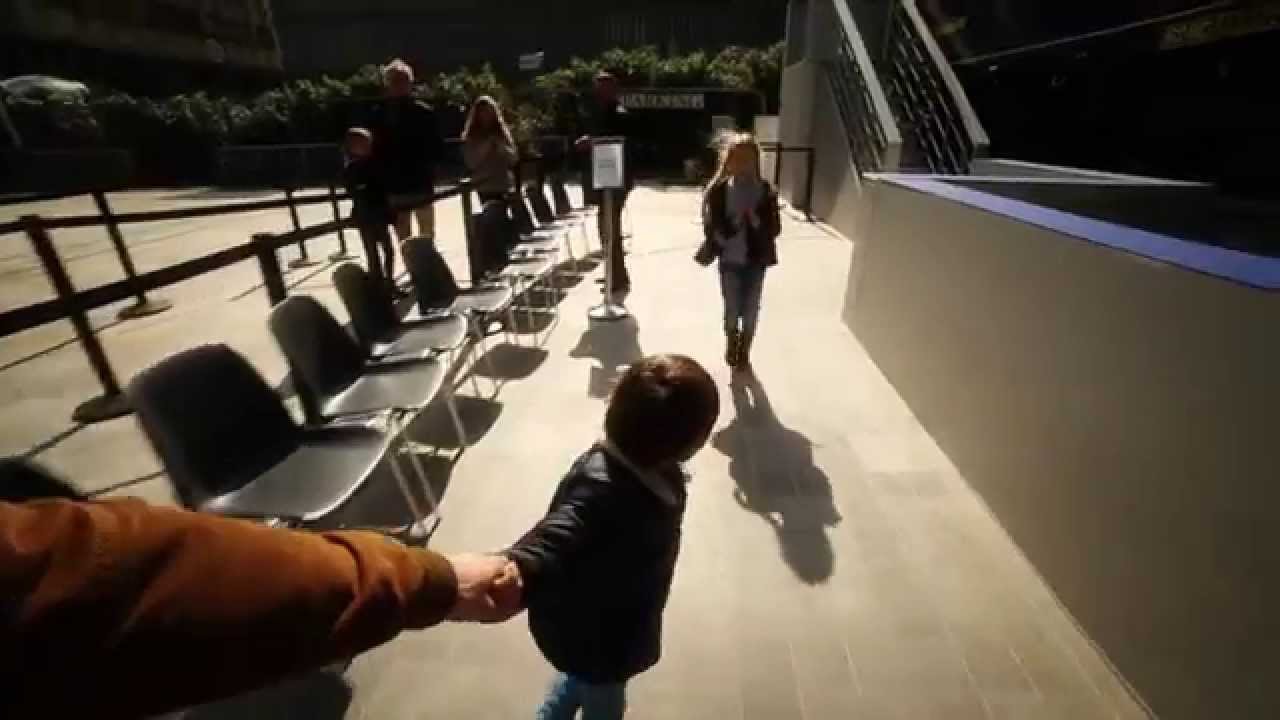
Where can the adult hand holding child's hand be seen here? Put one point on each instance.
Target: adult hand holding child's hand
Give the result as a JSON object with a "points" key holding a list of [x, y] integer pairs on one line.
{"points": [[487, 592]]}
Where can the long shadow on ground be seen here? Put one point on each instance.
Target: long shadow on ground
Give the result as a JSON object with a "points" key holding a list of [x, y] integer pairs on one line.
{"points": [[777, 479]]}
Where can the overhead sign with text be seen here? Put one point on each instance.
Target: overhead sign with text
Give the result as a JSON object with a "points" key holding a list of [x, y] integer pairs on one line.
{"points": [[664, 100]]}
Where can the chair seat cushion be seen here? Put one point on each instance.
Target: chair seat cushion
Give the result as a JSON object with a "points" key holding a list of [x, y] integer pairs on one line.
{"points": [[315, 479], [407, 385], [484, 300], [416, 336], [535, 267]]}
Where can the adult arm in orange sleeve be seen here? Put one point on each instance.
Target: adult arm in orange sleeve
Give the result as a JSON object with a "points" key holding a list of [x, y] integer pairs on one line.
{"points": [[120, 609]]}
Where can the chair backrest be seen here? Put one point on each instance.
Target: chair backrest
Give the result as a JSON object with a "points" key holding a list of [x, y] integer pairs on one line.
{"points": [[560, 195], [433, 281], [494, 237], [372, 311], [520, 214], [538, 201], [213, 421], [323, 357]]}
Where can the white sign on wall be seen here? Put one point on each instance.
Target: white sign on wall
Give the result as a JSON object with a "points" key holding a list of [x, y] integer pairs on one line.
{"points": [[607, 163]]}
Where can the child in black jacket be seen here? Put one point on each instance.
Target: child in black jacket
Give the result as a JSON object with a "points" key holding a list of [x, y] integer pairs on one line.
{"points": [[596, 571], [370, 206]]}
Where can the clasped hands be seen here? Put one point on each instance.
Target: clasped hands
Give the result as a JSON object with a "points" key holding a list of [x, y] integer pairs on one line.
{"points": [[490, 589]]}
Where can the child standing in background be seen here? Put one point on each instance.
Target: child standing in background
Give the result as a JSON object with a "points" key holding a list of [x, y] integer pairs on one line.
{"points": [[596, 571], [741, 224], [370, 206]]}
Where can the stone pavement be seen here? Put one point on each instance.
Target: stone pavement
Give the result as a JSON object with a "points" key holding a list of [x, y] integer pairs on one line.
{"points": [[835, 564]]}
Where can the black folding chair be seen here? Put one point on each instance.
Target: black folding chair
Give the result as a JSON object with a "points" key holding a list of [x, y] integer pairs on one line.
{"points": [[229, 445], [437, 290], [380, 331]]}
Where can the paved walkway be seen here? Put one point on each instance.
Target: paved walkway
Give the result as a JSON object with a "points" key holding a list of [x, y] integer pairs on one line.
{"points": [[835, 565]]}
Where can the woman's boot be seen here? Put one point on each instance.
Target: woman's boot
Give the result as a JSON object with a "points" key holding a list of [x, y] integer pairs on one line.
{"points": [[732, 341]]}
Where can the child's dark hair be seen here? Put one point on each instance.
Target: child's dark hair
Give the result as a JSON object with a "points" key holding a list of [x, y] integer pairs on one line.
{"points": [[662, 410]]}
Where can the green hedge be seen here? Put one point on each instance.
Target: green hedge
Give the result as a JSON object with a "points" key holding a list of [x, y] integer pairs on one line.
{"points": [[174, 139]]}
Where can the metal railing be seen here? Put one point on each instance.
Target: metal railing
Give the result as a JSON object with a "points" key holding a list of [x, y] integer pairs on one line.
{"points": [[860, 100], [782, 151], [927, 99], [74, 305]]}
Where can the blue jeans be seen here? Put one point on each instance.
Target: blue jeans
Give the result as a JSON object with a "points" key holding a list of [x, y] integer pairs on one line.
{"points": [[597, 702], [741, 286]]}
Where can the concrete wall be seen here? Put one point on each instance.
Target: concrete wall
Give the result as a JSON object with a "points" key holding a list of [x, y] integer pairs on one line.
{"points": [[1118, 415], [795, 121], [837, 186]]}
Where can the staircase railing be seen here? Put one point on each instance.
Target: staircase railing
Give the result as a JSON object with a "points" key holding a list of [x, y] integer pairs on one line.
{"points": [[874, 140], [927, 99]]}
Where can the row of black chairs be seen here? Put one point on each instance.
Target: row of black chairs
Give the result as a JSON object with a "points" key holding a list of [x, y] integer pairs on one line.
{"points": [[230, 445]]}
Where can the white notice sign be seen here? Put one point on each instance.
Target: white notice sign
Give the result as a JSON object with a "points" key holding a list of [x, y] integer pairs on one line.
{"points": [[607, 161]]}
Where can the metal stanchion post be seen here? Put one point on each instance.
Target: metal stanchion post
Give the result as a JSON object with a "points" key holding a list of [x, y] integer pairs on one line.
{"points": [[272, 277], [144, 306], [808, 185], [608, 310], [777, 168], [303, 259], [343, 253], [112, 402]]}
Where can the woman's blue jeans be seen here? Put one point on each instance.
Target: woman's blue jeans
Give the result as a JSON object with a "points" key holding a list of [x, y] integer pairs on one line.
{"points": [[741, 286]]}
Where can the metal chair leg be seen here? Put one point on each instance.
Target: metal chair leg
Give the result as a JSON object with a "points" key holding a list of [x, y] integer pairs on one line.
{"points": [[420, 518], [458, 427], [426, 484]]}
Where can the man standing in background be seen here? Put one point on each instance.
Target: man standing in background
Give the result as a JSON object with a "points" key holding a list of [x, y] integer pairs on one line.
{"points": [[606, 117], [406, 148]]}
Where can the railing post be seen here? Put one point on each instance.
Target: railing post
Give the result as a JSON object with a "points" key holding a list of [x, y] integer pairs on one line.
{"points": [[777, 166], [112, 403], [144, 305], [303, 259], [269, 263], [343, 253], [808, 183]]}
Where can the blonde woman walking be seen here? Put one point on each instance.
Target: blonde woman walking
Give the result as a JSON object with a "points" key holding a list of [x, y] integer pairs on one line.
{"points": [[741, 224]]}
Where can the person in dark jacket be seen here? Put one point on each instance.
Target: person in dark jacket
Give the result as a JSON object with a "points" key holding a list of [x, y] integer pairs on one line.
{"points": [[370, 206], [407, 147], [596, 571], [606, 117], [741, 224]]}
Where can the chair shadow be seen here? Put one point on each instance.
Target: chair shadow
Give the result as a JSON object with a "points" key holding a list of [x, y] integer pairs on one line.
{"points": [[614, 345], [433, 427], [777, 479], [380, 504], [320, 695], [508, 362]]}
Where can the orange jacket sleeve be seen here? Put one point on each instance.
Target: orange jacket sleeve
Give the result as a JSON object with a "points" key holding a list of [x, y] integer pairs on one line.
{"points": [[119, 609]]}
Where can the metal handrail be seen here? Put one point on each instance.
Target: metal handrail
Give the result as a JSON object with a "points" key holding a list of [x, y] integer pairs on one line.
{"points": [[927, 98], [861, 101]]}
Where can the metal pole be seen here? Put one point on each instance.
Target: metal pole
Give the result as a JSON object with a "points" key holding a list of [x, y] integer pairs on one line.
{"points": [[777, 166], [144, 306], [808, 185], [343, 253], [112, 403], [303, 259], [272, 277]]}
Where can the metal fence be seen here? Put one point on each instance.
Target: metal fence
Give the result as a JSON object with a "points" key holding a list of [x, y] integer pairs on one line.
{"points": [[74, 305]]}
